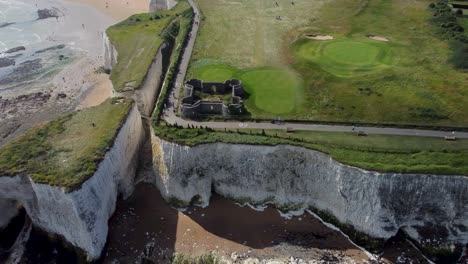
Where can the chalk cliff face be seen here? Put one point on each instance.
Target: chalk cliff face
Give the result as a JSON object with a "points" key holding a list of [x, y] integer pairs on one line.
{"points": [[110, 53], [432, 209], [146, 95], [8, 209], [80, 217]]}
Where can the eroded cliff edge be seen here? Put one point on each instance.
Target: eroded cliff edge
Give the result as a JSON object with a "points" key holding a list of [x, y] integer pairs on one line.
{"points": [[431, 209], [80, 216]]}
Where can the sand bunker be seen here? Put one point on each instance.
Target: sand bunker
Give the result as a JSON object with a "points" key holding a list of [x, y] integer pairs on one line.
{"points": [[378, 38], [319, 37]]}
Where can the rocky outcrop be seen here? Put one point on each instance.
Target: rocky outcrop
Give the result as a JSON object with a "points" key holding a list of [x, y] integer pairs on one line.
{"points": [[6, 61], [48, 13], [15, 49], [431, 209], [9, 209], [5, 24], [80, 217]]}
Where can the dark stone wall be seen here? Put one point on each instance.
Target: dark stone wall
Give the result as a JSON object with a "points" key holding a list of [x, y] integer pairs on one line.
{"points": [[191, 108], [212, 108]]}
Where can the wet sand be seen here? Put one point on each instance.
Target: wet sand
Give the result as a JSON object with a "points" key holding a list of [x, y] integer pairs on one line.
{"points": [[99, 92], [117, 9], [145, 226]]}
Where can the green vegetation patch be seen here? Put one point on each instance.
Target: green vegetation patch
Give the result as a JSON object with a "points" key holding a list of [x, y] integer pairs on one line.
{"points": [[203, 259], [346, 57], [214, 73], [65, 152], [137, 40], [410, 79], [274, 91], [247, 34], [381, 153], [271, 91]]}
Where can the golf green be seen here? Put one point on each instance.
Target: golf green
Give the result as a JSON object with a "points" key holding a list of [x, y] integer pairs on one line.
{"points": [[346, 57], [275, 91]]}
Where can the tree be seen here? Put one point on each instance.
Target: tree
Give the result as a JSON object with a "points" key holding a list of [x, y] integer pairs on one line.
{"points": [[459, 12]]}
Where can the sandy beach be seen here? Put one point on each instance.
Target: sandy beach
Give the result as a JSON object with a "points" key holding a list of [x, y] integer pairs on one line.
{"points": [[100, 90], [56, 72], [117, 9]]}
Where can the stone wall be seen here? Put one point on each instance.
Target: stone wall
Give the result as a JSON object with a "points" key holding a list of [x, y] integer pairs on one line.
{"points": [[192, 107]]}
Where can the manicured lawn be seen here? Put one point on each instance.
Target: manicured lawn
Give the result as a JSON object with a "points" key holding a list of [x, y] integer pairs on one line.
{"points": [[271, 91], [66, 151], [351, 52], [214, 73], [346, 57], [407, 80], [275, 91], [137, 41]]}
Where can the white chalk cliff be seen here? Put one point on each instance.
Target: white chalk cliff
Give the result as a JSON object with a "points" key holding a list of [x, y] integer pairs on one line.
{"points": [[378, 204], [110, 53], [80, 217]]}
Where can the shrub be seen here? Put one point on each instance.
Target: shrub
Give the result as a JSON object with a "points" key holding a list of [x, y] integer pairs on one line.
{"points": [[459, 57], [432, 5], [459, 12]]}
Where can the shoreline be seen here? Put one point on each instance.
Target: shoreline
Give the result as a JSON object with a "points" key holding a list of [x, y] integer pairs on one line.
{"points": [[76, 85], [145, 220]]}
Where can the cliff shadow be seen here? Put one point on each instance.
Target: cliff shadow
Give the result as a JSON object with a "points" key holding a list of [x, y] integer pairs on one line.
{"points": [[258, 230], [142, 228]]}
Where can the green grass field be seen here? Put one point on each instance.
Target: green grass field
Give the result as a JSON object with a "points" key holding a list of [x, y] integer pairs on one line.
{"points": [[270, 90], [346, 57], [137, 41], [407, 80], [215, 73], [66, 151], [274, 91]]}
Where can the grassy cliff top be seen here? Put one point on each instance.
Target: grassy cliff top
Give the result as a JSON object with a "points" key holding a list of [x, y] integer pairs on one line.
{"points": [[383, 153], [66, 151], [137, 40]]}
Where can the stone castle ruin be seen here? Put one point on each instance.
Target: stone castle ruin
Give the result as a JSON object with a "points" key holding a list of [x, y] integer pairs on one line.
{"points": [[193, 106]]}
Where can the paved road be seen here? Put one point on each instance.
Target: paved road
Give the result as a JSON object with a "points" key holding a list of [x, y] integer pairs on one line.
{"points": [[170, 116]]}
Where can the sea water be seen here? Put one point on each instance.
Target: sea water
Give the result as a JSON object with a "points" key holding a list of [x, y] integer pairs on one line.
{"points": [[25, 31], [20, 26], [50, 44]]}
